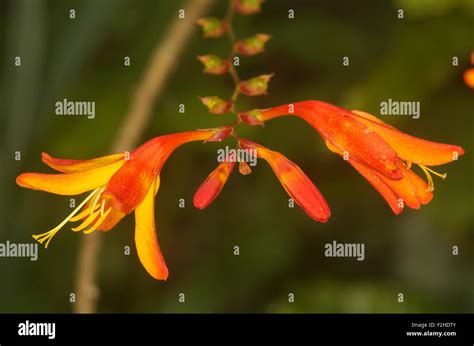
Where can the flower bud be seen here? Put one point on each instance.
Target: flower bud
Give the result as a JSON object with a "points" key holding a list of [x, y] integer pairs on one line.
{"points": [[247, 6], [212, 27], [252, 45], [252, 117], [216, 105], [244, 168], [212, 186], [214, 64], [220, 133], [469, 77], [255, 86]]}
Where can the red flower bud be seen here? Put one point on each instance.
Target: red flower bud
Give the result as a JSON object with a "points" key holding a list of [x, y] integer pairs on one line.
{"points": [[220, 133], [252, 117], [247, 6], [212, 27], [212, 186], [216, 105], [255, 86], [214, 64], [252, 45], [244, 168]]}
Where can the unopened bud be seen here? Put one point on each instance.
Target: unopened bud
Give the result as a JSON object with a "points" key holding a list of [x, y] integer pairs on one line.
{"points": [[252, 117], [252, 45], [247, 6], [216, 105], [214, 64], [212, 27], [255, 86], [220, 133], [244, 168]]}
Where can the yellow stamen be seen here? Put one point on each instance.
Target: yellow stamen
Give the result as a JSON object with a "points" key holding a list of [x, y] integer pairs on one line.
{"points": [[102, 207], [96, 199], [47, 236], [86, 222], [408, 165], [83, 214], [427, 172], [99, 222]]}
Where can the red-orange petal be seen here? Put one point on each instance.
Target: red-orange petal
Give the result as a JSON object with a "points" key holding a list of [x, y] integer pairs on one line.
{"points": [[212, 186], [387, 193], [411, 189], [409, 148], [337, 126], [128, 186], [295, 182], [71, 166]]}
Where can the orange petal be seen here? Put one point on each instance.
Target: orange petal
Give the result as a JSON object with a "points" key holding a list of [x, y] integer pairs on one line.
{"points": [[71, 166], [409, 148], [146, 241], [212, 186], [111, 221], [387, 193], [70, 183], [128, 187], [295, 182], [351, 136], [412, 190]]}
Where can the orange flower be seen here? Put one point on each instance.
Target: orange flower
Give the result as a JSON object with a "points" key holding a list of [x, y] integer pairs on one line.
{"points": [[120, 184], [294, 181], [381, 153]]}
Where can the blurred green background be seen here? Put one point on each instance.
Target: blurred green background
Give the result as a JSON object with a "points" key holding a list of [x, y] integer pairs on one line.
{"points": [[281, 249]]}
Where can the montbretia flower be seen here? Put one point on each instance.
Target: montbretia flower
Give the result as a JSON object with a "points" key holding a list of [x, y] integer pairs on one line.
{"points": [[247, 6], [119, 185], [381, 153], [295, 182]]}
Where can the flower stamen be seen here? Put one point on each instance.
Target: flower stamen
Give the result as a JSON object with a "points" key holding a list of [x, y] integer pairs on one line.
{"points": [[90, 219], [47, 236], [99, 222], [427, 172]]}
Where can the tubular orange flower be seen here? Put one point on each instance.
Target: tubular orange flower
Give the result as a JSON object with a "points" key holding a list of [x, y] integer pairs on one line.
{"points": [[119, 185], [295, 182], [381, 153], [212, 186]]}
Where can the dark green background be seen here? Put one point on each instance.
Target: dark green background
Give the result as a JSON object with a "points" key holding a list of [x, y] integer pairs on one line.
{"points": [[281, 249]]}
